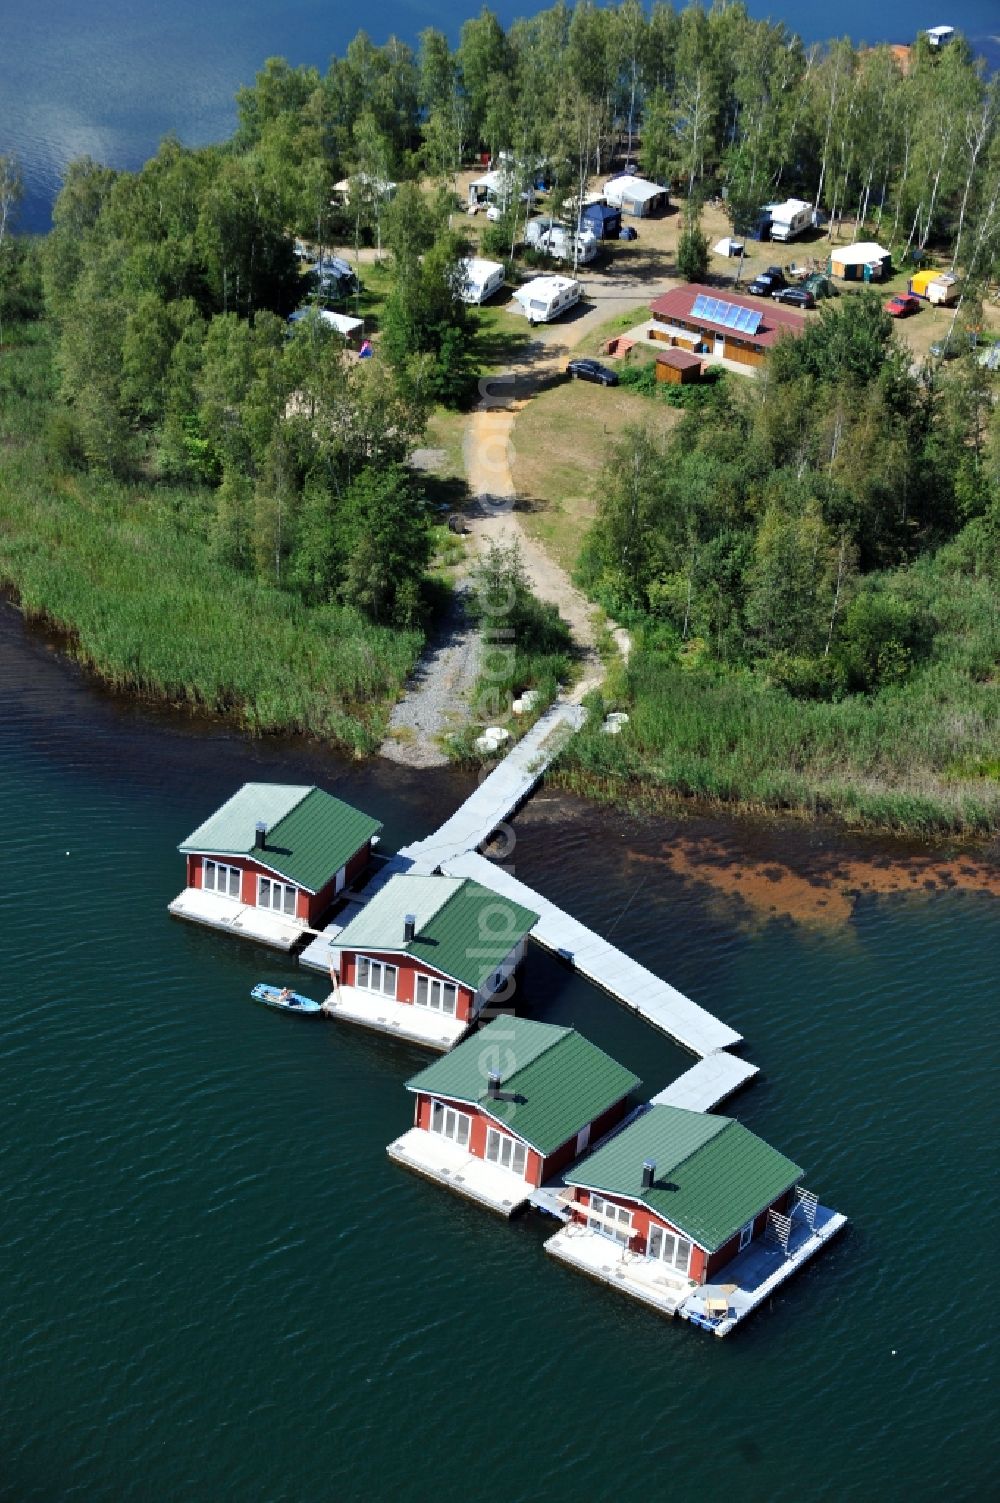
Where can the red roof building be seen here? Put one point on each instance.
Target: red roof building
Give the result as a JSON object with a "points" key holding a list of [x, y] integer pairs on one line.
{"points": [[708, 322]]}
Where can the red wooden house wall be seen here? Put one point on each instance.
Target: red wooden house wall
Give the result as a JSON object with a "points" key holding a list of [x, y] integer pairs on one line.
{"points": [[703, 1266], [538, 1168], [407, 969], [310, 907]]}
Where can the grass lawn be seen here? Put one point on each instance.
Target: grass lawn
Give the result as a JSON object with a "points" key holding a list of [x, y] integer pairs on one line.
{"points": [[559, 441]]}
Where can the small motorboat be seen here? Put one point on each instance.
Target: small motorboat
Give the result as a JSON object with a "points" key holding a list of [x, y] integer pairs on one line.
{"points": [[284, 999]]}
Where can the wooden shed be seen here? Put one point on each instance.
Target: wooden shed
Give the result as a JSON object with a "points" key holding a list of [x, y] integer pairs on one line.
{"points": [[678, 367]]}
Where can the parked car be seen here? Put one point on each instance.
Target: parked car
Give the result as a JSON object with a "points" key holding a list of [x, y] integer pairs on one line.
{"points": [[767, 282], [592, 370], [902, 305], [628, 233], [796, 297]]}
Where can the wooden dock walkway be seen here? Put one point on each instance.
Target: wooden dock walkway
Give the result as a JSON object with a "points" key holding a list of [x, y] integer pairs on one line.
{"points": [[707, 1083], [498, 795], [607, 967]]}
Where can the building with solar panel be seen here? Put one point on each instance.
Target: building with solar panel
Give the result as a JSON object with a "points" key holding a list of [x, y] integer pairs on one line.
{"points": [[703, 322]]}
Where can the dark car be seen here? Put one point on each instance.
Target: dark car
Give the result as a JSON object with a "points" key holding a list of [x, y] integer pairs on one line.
{"points": [[628, 233], [767, 282], [591, 370], [796, 297]]}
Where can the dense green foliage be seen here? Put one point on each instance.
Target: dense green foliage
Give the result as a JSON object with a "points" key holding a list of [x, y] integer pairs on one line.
{"points": [[811, 564], [526, 643], [151, 607], [785, 556]]}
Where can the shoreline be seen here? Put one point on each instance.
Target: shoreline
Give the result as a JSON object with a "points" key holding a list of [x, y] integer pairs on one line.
{"points": [[640, 798]]}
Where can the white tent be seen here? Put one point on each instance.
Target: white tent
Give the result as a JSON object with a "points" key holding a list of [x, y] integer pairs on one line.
{"points": [[728, 247], [862, 253], [347, 328], [635, 195]]}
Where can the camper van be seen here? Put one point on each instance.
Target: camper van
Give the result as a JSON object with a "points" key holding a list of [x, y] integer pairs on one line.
{"points": [[556, 240], [790, 219], [482, 279], [545, 298]]}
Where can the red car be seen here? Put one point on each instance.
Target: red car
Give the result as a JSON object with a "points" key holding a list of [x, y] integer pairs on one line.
{"points": [[902, 305]]}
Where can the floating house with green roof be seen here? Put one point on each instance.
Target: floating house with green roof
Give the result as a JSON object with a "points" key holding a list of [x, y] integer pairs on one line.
{"points": [[270, 862], [690, 1212], [510, 1108], [425, 955]]}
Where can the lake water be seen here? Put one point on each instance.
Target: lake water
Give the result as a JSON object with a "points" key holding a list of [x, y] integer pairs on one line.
{"points": [[217, 1287], [109, 78]]}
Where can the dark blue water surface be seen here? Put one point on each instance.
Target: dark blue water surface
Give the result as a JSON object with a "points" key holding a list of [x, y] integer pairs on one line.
{"points": [[109, 78], [216, 1286]]}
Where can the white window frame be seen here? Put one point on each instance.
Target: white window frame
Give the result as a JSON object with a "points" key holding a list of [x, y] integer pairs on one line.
{"points": [[438, 995], [378, 976], [218, 867], [454, 1125], [674, 1250], [288, 895], [746, 1235], [503, 1145], [609, 1220]]}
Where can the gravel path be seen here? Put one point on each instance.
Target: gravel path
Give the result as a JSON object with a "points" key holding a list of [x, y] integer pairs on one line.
{"points": [[437, 697]]}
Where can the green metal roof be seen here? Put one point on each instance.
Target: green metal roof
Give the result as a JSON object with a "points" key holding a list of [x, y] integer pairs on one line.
{"points": [[379, 925], [310, 834], [462, 928], [712, 1174], [556, 1080]]}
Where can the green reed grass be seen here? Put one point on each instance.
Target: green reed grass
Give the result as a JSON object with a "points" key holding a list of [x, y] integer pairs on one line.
{"points": [[147, 607]]}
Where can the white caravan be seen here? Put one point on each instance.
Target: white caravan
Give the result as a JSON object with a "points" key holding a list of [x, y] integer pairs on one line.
{"points": [[790, 219], [545, 298], [482, 279], [556, 240]]}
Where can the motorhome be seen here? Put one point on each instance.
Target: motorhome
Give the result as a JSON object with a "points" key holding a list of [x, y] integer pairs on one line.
{"points": [[789, 219], [557, 240], [545, 298], [482, 279]]}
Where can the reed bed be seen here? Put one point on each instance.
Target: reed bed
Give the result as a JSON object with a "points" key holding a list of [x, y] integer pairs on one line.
{"points": [[920, 759], [146, 606]]}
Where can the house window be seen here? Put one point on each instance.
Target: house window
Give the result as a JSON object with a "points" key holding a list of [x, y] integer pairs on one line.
{"points": [[439, 996], [746, 1233], [217, 877], [278, 896], [506, 1151], [609, 1220], [375, 976], [669, 1247], [450, 1124]]}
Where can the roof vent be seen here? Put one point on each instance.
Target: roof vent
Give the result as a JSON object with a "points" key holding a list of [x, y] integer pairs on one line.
{"points": [[648, 1173], [260, 836], [409, 926], [493, 1085]]}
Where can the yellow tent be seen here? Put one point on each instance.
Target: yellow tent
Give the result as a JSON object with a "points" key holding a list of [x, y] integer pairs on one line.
{"points": [[921, 280]]}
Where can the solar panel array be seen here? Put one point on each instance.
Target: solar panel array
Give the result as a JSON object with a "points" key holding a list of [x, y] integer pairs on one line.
{"points": [[729, 315]]}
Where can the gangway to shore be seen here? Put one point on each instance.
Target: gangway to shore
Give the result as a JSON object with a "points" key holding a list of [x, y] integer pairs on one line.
{"points": [[499, 794], [600, 962]]}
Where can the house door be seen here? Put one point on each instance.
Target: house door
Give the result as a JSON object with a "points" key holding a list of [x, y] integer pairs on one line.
{"points": [[338, 885], [582, 1139], [668, 1248], [720, 345], [506, 1152], [450, 1124]]}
